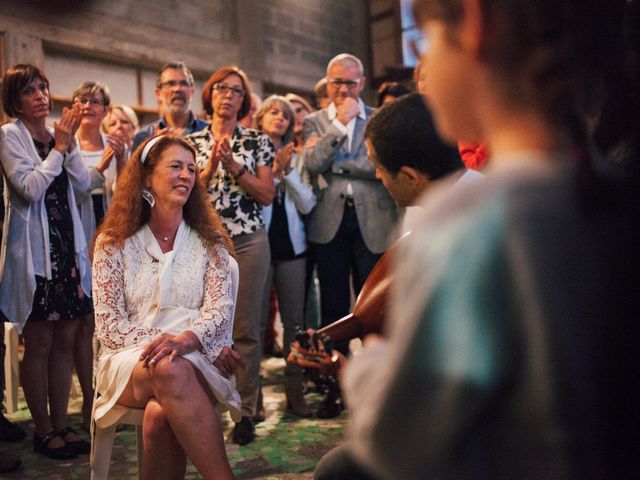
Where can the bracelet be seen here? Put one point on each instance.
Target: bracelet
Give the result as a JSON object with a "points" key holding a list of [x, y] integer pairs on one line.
{"points": [[242, 172]]}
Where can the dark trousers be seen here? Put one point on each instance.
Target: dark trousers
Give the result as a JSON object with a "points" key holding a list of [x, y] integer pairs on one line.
{"points": [[346, 254]]}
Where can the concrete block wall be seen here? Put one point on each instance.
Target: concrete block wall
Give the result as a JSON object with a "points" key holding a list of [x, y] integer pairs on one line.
{"points": [[302, 36], [278, 42]]}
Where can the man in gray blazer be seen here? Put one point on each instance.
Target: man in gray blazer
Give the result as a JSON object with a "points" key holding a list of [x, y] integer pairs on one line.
{"points": [[354, 220]]}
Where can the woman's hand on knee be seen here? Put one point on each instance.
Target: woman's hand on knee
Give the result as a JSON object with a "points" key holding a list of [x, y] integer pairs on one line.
{"points": [[228, 361], [169, 345]]}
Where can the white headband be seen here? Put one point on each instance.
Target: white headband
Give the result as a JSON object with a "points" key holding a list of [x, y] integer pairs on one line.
{"points": [[147, 148]]}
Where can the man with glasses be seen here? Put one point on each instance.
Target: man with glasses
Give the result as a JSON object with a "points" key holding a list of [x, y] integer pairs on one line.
{"points": [[174, 91], [353, 222]]}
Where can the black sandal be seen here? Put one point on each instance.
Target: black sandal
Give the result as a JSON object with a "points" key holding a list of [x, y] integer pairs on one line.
{"points": [[81, 447], [41, 445]]}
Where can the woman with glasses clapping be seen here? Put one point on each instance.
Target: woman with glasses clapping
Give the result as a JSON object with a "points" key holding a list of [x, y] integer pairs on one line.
{"points": [[236, 170]]}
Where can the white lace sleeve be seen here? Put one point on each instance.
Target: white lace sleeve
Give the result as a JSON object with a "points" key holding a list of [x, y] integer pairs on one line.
{"points": [[114, 327], [214, 325]]}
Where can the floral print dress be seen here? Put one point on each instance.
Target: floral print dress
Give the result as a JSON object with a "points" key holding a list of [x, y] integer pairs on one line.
{"points": [[239, 212], [61, 297]]}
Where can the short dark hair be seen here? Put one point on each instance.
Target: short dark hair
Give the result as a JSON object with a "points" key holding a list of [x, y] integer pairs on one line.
{"points": [[217, 77], [403, 134], [14, 81], [394, 89]]}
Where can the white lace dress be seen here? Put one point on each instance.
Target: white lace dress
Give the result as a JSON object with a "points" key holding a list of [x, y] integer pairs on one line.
{"points": [[140, 293]]}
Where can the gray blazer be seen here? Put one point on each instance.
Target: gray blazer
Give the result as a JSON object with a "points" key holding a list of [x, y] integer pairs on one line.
{"points": [[332, 168]]}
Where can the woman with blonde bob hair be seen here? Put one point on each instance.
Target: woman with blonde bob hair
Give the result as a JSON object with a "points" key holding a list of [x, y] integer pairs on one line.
{"points": [[163, 302], [122, 118], [287, 236]]}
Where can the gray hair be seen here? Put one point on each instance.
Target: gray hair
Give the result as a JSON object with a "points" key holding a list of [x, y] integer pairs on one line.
{"points": [[91, 87], [180, 66], [346, 59]]}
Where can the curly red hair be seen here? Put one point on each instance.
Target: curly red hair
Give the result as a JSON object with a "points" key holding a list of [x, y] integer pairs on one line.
{"points": [[129, 211]]}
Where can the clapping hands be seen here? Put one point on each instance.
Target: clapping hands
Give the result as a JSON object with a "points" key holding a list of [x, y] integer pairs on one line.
{"points": [[117, 145], [64, 131], [222, 154], [282, 163]]}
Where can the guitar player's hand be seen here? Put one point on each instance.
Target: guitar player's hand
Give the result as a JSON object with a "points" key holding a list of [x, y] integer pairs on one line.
{"points": [[336, 367]]}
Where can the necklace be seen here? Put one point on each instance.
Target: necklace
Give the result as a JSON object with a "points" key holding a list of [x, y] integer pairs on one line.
{"points": [[163, 238]]}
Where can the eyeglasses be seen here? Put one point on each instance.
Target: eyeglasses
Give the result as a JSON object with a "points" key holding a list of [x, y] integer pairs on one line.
{"points": [[93, 102], [175, 83], [338, 82], [222, 89]]}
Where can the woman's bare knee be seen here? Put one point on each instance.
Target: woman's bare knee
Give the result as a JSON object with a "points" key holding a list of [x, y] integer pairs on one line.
{"points": [[172, 376], [155, 423]]}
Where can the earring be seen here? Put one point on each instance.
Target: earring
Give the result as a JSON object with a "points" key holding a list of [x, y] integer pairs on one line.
{"points": [[146, 194]]}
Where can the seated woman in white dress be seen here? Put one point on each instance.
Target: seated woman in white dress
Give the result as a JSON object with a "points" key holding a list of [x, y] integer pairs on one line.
{"points": [[162, 296]]}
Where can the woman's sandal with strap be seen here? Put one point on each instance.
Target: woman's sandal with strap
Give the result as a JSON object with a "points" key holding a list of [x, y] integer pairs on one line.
{"points": [[81, 447], [41, 445]]}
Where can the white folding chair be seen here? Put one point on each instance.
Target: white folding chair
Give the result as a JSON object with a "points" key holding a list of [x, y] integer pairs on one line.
{"points": [[11, 367], [102, 438]]}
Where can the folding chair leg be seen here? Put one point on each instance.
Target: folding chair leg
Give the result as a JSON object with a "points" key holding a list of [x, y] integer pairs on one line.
{"points": [[11, 367], [101, 448], [139, 447]]}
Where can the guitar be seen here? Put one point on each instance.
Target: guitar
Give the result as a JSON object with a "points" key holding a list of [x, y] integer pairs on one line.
{"points": [[314, 349]]}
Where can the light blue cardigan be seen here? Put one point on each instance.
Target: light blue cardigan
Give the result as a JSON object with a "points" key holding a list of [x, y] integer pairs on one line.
{"points": [[25, 243]]}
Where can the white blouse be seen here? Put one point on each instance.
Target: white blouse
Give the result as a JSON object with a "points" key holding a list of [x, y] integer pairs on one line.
{"points": [[141, 292], [135, 283]]}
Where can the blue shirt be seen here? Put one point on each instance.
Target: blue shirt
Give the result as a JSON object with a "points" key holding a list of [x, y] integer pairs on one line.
{"points": [[193, 125]]}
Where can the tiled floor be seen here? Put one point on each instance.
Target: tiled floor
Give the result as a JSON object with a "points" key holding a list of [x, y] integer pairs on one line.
{"points": [[286, 447]]}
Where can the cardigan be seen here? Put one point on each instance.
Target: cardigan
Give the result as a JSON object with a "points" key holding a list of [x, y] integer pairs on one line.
{"points": [[25, 243], [298, 200]]}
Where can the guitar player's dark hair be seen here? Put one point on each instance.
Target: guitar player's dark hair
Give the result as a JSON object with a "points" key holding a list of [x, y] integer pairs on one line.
{"points": [[403, 134]]}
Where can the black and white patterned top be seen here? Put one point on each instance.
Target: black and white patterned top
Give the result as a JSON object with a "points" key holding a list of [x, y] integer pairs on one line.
{"points": [[239, 212]]}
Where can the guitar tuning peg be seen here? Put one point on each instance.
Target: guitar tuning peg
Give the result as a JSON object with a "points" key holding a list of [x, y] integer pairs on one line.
{"points": [[326, 342], [302, 337]]}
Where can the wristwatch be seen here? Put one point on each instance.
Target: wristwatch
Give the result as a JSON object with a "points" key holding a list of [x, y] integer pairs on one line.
{"points": [[242, 172]]}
